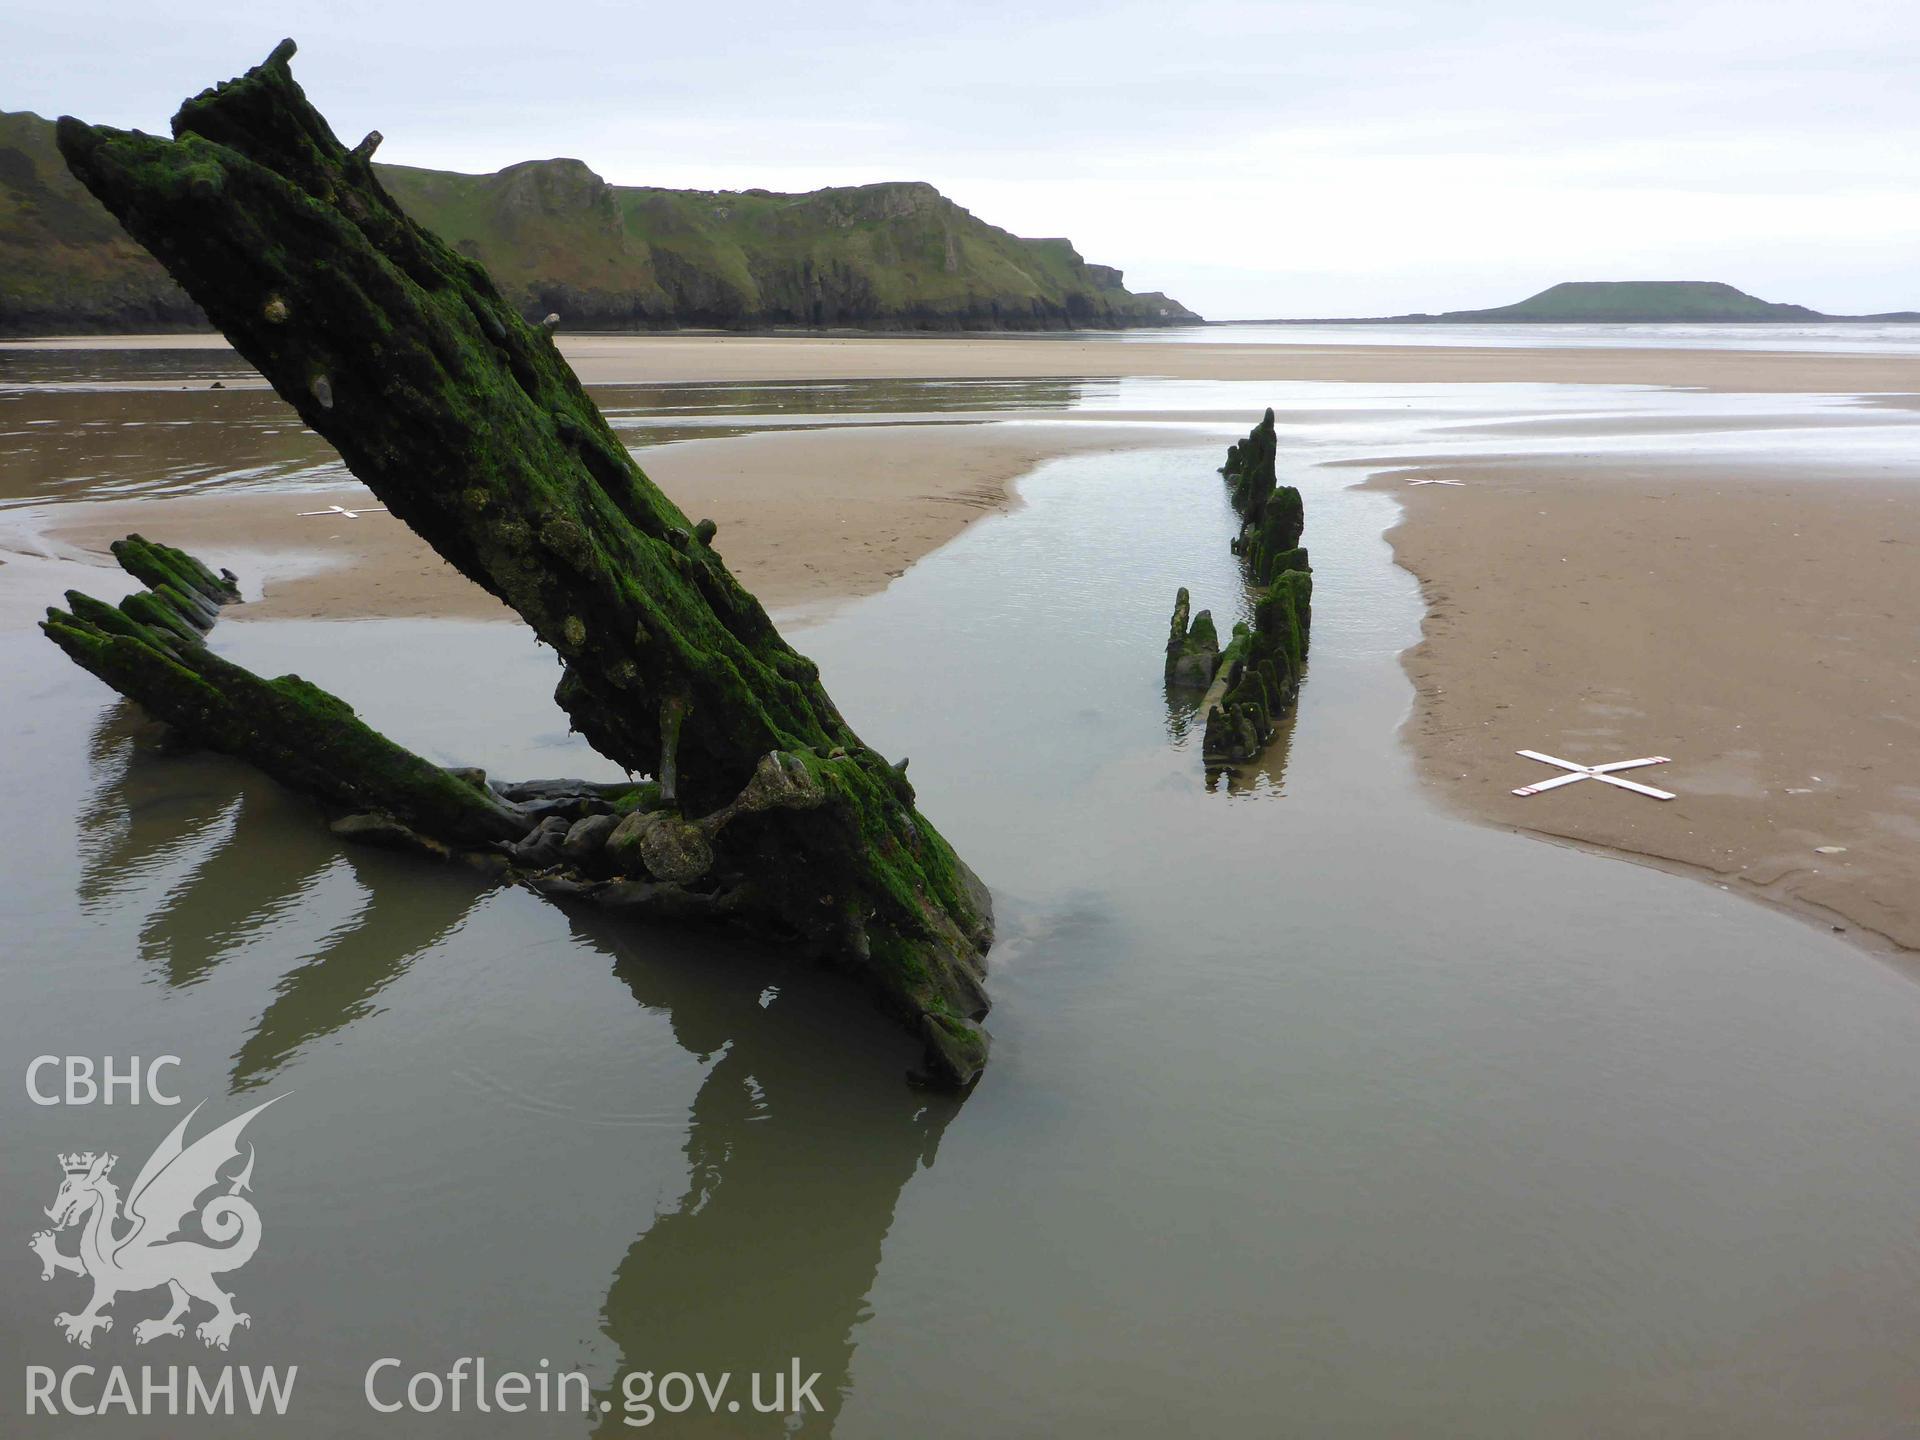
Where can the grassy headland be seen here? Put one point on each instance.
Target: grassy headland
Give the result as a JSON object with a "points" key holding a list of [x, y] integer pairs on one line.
{"points": [[1625, 302], [556, 237]]}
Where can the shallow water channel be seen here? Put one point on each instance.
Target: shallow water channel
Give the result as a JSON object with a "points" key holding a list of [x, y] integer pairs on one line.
{"points": [[1313, 1110]]}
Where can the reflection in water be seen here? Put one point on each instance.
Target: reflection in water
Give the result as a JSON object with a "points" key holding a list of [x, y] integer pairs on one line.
{"points": [[110, 427], [237, 890], [801, 1118], [1183, 716], [640, 404], [142, 820], [185, 830], [119, 444], [646, 415], [223, 862], [1266, 773], [845, 396], [410, 908], [189, 828], [173, 368]]}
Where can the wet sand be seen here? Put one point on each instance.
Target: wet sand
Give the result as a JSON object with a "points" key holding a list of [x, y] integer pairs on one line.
{"points": [[806, 519], [1755, 623], [1472, 1161], [1752, 622], [611, 359]]}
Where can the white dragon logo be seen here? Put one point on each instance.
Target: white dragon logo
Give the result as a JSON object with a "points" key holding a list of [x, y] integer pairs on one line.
{"points": [[138, 1250]]}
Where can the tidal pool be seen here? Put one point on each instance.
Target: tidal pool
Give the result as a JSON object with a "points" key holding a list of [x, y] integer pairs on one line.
{"points": [[1312, 1110]]}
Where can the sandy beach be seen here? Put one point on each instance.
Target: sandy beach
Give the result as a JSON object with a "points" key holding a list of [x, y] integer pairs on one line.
{"points": [[1750, 620], [806, 518], [992, 830], [1754, 624], [613, 359]]}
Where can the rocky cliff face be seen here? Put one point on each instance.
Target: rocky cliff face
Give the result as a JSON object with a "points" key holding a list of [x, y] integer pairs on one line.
{"points": [[557, 237]]}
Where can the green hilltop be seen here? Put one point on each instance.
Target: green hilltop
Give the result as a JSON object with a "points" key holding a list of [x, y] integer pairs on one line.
{"points": [[1637, 302], [1629, 302], [559, 238]]}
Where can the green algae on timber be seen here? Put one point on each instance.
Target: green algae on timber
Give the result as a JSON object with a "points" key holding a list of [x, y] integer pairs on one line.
{"points": [[1193, 648], [467, 424], [1257, 677], [150, 648]]}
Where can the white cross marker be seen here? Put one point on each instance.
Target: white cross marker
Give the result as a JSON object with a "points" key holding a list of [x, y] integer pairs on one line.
{"points": [[343, 511], [1436, 482], [1594, 772]]}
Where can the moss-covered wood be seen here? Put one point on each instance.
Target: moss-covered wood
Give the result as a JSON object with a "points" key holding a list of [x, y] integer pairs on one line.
{"points": [[1193, 646], [150, 647], [1256, 678], [468, 425]]}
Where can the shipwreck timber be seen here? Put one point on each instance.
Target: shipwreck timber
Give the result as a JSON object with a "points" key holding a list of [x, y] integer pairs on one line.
{"points": [[1193, 646], [1255, 679], [764, 805]]}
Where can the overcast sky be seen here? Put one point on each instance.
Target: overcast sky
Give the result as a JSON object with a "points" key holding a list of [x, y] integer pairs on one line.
{"points": [[1250, 159]]}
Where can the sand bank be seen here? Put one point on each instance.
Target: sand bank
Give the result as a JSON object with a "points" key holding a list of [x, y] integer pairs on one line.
{"points": [[1755, 623], [806, 518], [1752, 621], [614, 359]]}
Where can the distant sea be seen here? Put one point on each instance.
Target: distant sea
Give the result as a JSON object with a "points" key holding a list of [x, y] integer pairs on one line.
{"points": [[1850, 338]]}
